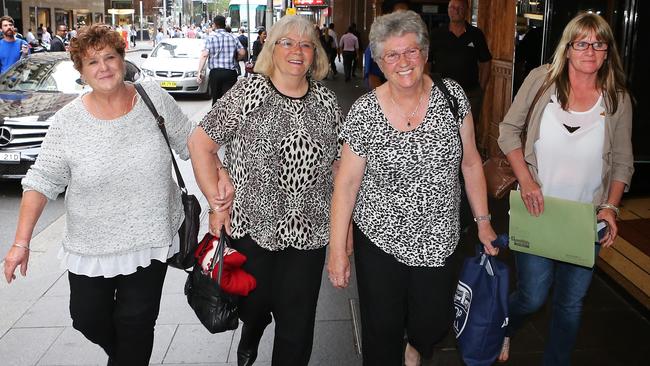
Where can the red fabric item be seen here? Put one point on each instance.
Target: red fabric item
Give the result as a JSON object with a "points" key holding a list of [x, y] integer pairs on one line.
{"points": [[234, 280]]}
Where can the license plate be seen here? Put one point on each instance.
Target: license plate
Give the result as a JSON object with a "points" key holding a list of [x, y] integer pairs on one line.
{"points": [[10, 157], [168, 84]]}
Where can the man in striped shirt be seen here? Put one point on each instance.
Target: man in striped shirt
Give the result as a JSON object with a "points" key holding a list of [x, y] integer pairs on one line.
{"points": [[222, 50]]}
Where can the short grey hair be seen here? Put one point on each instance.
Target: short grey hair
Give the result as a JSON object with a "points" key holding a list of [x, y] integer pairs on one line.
{"points": [[397, 24], [304, 27]]}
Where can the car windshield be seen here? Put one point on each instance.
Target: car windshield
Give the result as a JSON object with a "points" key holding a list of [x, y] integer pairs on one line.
{"points": [[29, 75], [178, 50]]}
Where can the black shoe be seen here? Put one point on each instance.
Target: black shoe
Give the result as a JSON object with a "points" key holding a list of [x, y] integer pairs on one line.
{"points": [[248, 344]]}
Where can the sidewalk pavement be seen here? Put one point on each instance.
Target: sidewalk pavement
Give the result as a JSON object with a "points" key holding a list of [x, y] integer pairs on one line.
{"points": [[36, 329]]}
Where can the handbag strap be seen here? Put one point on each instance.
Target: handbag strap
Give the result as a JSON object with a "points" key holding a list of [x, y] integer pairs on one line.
{"points": [[218, 254], [451, 100], [161, 124]]}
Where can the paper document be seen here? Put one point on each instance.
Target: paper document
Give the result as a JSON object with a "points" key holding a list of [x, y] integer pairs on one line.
{"points": [[566, 231]]}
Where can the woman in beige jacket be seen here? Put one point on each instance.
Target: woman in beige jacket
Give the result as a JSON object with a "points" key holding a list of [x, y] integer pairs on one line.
{"points": [[578, 147]]}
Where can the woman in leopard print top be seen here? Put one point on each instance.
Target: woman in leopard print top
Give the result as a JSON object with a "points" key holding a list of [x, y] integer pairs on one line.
{"points": [[402, 153], [279, 129]]}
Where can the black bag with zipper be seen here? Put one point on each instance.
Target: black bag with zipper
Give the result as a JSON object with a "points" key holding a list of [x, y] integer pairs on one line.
{"points": [[189, 230]]}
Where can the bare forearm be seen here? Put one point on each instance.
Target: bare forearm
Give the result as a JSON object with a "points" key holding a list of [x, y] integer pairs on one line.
{"points": [[475, 187], [31, 208], [615, 193], [484, 74]]}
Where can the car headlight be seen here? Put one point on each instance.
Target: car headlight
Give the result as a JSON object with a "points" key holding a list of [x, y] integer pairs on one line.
{"points": [[191, 74], [147, 72]]}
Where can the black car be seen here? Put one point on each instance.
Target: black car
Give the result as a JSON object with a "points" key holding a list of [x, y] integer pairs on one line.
{"points": [[31, 91]]}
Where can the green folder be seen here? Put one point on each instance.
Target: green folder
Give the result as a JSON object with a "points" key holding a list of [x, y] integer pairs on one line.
{"points": [[566, 231]]}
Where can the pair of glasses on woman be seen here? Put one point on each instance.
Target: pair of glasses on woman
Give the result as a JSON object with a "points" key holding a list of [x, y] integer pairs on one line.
{"points": [[289, 44], [411, 54], [583, 46]]}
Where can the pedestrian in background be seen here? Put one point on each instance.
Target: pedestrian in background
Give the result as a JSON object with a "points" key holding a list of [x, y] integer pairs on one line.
{"points": [[11, 48], [58, 42], [122, 207], [349, 47], [279, 128], [403, 149], [578, 147], [222, 51]]}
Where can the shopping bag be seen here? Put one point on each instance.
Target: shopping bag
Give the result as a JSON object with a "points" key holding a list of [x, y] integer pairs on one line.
{"points": [[481, 308]]}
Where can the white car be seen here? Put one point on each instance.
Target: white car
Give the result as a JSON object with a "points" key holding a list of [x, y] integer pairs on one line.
{"points": [[174, 62]]}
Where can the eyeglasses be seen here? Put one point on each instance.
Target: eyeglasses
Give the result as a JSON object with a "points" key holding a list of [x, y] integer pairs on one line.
{"points": [[289, 44], [583, 46], [410, 54]]}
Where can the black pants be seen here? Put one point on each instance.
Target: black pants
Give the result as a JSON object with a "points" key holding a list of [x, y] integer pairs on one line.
{"points": [[221, 80], [348, 58], [119, 313], [395, 298], [288, 282], [332, 58]]}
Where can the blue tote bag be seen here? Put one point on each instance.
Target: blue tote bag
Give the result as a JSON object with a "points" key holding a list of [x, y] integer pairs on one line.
{"points": [[481, 308]]}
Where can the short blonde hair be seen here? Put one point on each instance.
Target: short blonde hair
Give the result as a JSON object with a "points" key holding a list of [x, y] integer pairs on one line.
{"points": [[304, 27]]}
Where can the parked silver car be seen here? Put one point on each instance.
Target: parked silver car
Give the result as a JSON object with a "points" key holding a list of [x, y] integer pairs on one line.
{"points": [[174, 62]]}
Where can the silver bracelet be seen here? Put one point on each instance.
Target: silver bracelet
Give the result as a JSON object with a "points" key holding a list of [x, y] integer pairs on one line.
{"points": [[487, 217], [26, 247], [602, 206]]}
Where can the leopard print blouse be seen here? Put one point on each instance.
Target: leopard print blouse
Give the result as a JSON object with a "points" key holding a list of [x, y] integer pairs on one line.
{"points": [[409, 199], [279, 151]]}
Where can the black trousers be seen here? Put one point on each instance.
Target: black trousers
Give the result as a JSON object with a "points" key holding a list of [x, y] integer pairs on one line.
{"points": [[395, 298], [288, 283], [221, 80], [332, 59], [348, 58], [119, 313]]}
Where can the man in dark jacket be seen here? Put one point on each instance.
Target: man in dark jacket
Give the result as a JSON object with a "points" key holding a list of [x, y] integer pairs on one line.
{"points": [[58, 44]]}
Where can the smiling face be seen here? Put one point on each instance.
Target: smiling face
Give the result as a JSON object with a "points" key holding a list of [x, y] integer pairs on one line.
{"points": [[103, 70], [588, 61], [456, 10], [407, 71], [294, 61]]}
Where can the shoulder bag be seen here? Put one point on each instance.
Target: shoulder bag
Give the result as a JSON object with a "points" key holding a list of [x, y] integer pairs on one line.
{"points": [[189, 230], [499, 177]]}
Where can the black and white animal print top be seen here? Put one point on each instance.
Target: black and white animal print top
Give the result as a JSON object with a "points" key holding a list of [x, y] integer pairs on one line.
{"points": [[279, 151], [409, 199]]}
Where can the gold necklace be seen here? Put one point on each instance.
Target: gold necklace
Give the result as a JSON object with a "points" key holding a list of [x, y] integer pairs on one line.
{"points": [[408, 117]]}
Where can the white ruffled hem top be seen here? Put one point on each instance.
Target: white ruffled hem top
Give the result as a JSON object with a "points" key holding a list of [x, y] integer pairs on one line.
{"points": [[114, 265]]}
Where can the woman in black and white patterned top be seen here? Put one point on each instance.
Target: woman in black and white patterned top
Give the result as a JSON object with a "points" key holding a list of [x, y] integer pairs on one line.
{"points": [[402, 153], [280, 129]]}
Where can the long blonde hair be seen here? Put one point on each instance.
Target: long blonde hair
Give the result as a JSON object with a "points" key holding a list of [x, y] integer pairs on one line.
{"points": [[610, 78]]}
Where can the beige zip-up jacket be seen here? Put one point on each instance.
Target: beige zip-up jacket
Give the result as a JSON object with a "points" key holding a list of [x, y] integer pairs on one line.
{"points": [[617, 159]]}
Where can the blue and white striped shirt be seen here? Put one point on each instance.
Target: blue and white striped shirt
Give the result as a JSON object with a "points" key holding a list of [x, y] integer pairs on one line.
{"points": [[221, 47]]}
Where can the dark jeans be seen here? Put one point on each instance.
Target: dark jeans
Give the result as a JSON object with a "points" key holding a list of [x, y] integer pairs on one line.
{"points": [[221, 80], [394, 297], [535, 276], [119, 313], [288, 283], [348, 58], [332, 58]]}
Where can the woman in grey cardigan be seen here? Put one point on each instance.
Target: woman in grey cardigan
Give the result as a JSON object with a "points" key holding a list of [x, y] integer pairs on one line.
{"points": [[122, 207], [578, 147]]}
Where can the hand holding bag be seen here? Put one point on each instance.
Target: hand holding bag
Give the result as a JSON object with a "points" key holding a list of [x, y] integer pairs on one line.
{"points": [[481, 308], [216, 309], [189, 230]]}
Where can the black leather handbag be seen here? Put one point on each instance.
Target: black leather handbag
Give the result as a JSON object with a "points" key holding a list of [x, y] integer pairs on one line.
{"points": [[216, 309], [189, 230]]}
